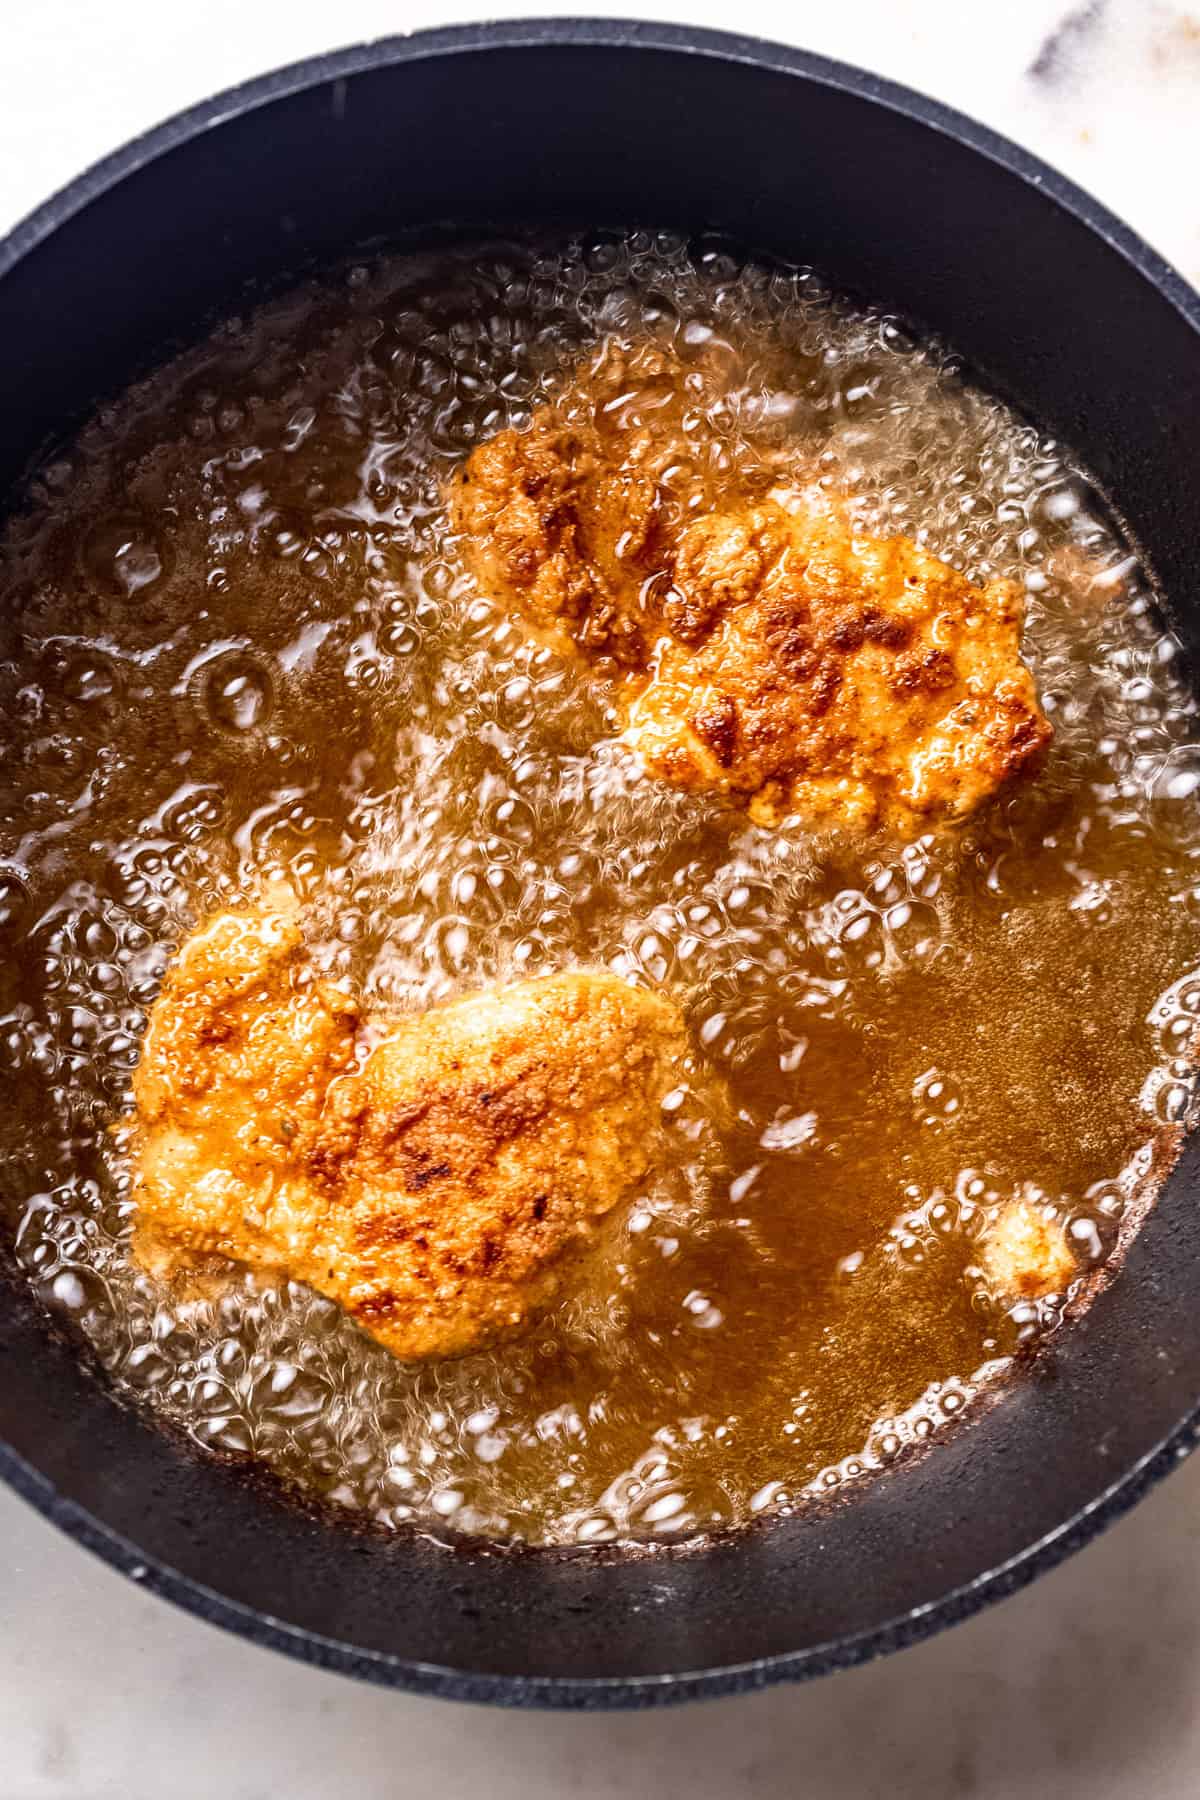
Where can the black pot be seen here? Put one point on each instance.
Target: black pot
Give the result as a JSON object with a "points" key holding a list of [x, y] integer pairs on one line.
{"points": [[1062, 311]]}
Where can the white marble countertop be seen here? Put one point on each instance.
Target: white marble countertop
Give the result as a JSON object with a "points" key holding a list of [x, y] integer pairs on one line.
{"points": [[1086, 1684]]}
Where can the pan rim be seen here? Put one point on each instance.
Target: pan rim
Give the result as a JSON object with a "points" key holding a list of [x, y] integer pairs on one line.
{"points": [[599, 1693]]}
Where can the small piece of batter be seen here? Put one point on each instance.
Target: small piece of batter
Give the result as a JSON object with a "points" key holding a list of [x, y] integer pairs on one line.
{"points": [[1026, 1255]]}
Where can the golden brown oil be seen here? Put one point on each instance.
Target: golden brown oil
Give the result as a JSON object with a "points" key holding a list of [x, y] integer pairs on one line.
{"points": [[237, 640]]}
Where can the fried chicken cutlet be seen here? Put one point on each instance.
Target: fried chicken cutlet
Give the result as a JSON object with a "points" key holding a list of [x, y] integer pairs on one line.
{"points": [[441, 1192], [759, 648]]}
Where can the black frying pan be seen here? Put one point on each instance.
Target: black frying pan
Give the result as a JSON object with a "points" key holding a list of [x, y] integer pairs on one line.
{"points": [[1064, 312]]}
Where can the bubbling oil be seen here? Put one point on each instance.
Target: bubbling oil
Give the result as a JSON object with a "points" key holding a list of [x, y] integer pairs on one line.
{"points": [[238, 641]]}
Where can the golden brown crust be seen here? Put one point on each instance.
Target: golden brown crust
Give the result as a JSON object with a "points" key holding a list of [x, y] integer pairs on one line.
{"points": [[541, 503], [480, 1144], [565, 521], [240, 1049], [857, 681], [763, 651], [441, 1192]]}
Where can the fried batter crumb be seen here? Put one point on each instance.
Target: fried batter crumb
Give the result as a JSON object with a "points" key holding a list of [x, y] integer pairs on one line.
{"points": [[441, 1192], [1026, 1256], [760, 649]]}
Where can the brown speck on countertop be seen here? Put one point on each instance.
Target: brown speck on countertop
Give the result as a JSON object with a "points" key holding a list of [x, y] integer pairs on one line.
{"points": [[1176, 37]]}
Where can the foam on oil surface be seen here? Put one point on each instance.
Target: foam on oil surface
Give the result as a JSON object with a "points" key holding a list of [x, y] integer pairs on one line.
{"points": [[237, 641]]}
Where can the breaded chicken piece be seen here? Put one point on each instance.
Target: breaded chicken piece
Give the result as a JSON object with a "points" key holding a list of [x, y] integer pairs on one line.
{"points": [[1025, 1255], [442, 1191], [760, 649]]}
